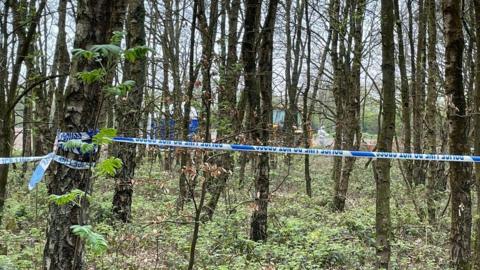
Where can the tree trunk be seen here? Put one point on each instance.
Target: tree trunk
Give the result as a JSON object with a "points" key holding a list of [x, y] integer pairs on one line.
{"points": [[476, 128], [405, 96], [336, 88], [385, 138], [208, 33], [63, 249], [61, 64], [249, 54], [27, 131], [227, 113], [411, 90], [461, 219], [7, 96], [192, 73], [165, 117], [351, 120], [419, 97], [305, 113], [129, 113], [293, 72], [258, 225], [430, 117]]}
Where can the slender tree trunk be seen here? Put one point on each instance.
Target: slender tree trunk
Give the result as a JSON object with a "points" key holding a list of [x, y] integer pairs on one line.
{"points": [[192, 72], [8, 94], [32, 74], [249, 54], [43, 133], [61, 61], [419, 97], [307, 126], [292, 72], [166, 116], [385, 138], [336, 65], [258, 225], [227, 113], [129, 113], [461, 219], [352, 132], [476, 128], [208, 33], [5, 119], [411, 90], [311, 107], [405, 96], [290, 95], [27, 130], [430, 117]]}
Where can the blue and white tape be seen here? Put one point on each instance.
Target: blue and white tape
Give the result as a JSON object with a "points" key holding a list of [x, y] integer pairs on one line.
{"points": [[46, 160], [84, 136], [64, 137], [42, 167], [11, 160], [299, 151], [40, 170], [73, 164], [79, 165]]}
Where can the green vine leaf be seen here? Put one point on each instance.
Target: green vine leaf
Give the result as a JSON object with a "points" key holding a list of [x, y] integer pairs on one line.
{"points": [[121, 89], [117, 37], [109, 166], [85, 148], [105, 136], [91, 76], [94, 240], [135, 53], [72, 144], [107, 50], [73, 196], [86, 54]]}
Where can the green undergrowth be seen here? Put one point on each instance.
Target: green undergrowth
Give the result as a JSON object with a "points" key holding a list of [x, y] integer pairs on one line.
{"points": [[304, 233]]}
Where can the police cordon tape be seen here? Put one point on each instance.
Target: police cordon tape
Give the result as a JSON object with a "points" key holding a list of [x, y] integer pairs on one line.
{"points": [[11, 160], [85, 136], [298, 151], [45, 163], [45, 160]]}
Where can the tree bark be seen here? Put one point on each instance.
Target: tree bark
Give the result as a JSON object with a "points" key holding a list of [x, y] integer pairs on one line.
{"points": [[292, 72], [336, 88], [405, 96], [258, 225], [7, 96], [129, 113], [461, 216], [61, 60], [385, 138], [305, 113], [63, 249], [352, 132], [192, 73], [227, 112], [430, 117], [476, 128], [249, 54], [419, 97]]}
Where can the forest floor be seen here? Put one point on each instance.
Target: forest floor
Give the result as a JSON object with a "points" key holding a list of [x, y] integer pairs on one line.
{"points": [[303, 232]]}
